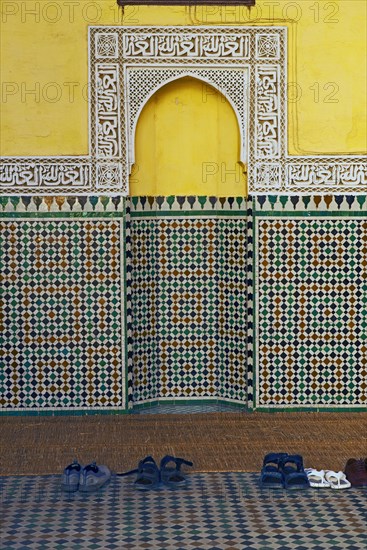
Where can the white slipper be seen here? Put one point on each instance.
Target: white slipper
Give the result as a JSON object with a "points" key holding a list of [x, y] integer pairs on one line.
{"points": [[316, 478], [337, 480]]}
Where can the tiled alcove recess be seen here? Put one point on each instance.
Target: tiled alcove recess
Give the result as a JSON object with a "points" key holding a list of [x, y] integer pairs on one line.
{"points": [[189, 299]]}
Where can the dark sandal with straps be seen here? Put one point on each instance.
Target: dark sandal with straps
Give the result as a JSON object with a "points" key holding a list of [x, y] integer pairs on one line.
{"points": [[148, 475], [295, 477], [173, 476], [271, 474]]}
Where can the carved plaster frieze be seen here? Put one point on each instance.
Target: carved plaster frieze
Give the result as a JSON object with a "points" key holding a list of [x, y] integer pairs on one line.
{"points": [[35, 175], [127, 65]]}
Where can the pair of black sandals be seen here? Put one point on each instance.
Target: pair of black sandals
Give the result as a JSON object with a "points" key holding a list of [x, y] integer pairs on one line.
{"points": [[149, 475], [281, 470]]}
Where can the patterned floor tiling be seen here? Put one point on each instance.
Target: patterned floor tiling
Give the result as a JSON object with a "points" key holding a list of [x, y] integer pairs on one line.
{"points": [[191, 408], [311, 311], [62, 328], [216, 511]]}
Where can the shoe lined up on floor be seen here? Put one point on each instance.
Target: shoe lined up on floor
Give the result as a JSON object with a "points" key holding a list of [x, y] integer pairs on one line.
{"points": [[295, 477], [150, 476], [316, 478], [354, 475], [281, 470], [327, 479], [94, 477], [71, 477], [356, 471], [173, 476], [337, 480], [87, 479]]}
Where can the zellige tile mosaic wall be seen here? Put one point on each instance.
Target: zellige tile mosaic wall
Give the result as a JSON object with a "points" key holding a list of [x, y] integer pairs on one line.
{"points": [[187, 307], [232, 309], [225, 298], [310, 267], [188, 286], [62, 325], [143, 303]]}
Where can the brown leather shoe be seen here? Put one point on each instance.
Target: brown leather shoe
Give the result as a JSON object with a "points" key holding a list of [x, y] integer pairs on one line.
{"points": [[356, 472]]}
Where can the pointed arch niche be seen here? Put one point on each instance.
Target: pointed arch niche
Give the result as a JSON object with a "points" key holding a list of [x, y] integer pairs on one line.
{"points": [[188, 141], [247, 64]]}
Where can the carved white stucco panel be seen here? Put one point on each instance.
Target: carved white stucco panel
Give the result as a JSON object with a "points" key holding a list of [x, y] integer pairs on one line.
{"points": [[128, 64]]}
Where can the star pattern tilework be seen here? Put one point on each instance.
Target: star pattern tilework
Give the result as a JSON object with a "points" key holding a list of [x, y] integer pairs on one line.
{"points": [[312, 311], [62, 281]]}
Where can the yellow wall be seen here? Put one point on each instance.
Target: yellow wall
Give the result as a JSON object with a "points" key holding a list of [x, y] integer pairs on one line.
{"points": [[188, 138], [46, 51]]}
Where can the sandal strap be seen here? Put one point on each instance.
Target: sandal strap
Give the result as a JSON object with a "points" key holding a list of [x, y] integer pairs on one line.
{"points": [[271, 474], [338, 475], [128, 473], [147, 462], [293, 475], [178, 461], [297, 460], [274, 458], [315, 473]]}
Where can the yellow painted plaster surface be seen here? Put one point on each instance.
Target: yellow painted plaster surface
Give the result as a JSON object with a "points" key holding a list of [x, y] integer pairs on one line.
{"points": [[188, 138], [44, 85]]}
